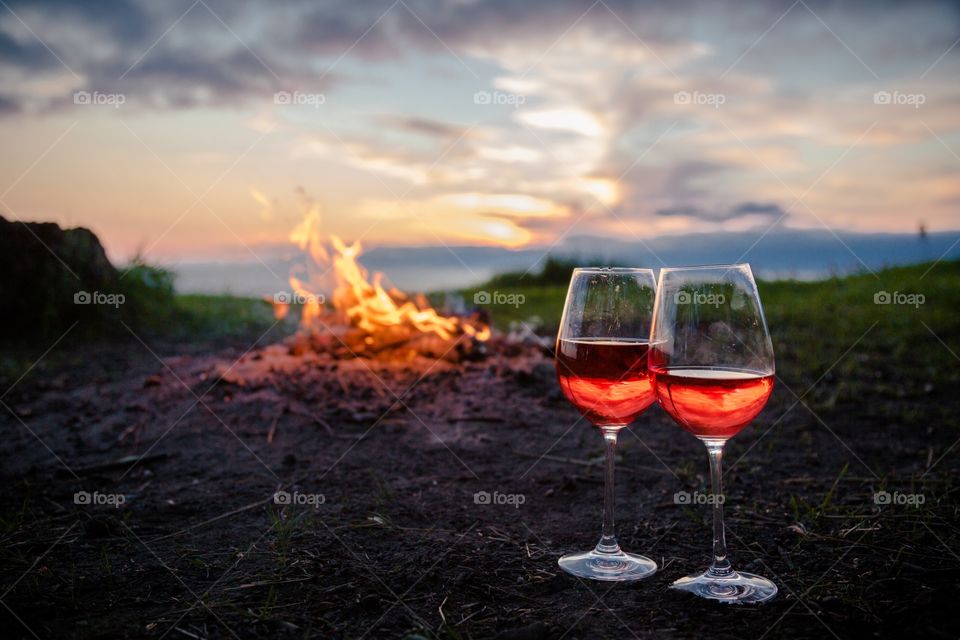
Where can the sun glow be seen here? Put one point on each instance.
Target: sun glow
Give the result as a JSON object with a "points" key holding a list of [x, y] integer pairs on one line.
{"points": [[569, 119]]}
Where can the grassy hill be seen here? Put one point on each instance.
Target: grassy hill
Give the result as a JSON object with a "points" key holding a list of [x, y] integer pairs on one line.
{"points": [[811, 309], [829, 328]]}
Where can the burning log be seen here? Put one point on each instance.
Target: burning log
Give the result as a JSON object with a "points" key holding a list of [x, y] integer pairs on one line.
{"points": [[392, 343]]}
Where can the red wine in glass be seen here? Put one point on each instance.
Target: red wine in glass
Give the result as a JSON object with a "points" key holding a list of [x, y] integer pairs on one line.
{"points": [[712, 403], [605, 379], [712, 361], [602, 364]]}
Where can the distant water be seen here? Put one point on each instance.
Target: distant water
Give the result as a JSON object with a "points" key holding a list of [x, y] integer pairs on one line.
{"points": [[803, 255]]}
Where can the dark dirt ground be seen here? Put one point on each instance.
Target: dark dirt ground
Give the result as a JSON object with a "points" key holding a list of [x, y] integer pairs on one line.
{"points": [[400, 547]]}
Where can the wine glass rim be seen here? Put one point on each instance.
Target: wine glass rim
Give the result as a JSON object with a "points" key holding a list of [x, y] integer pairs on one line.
{"points": [[610, 269], [704, 267]]}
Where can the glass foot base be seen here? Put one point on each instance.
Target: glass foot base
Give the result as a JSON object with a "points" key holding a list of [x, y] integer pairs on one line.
{"points": [[613, 567], [737, 588]]}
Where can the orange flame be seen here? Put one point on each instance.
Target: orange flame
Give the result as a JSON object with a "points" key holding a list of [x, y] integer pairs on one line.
{"points": [[360, 301]]}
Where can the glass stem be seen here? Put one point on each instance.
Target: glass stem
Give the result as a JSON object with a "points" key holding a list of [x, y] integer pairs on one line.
{"points": [[608, 539], [721, 564]]}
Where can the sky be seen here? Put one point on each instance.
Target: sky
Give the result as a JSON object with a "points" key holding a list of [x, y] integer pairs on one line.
{"points": [[199, 129]]}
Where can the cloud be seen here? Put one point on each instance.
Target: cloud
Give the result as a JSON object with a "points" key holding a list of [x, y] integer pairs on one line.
{"points": [[154, 54], [686, 179], [8, 105], [332, 30], [31, 56], [753, 208], [219, 51], [125, 20], [599, 129], [769, 211], [688, 211], [423, 126]]}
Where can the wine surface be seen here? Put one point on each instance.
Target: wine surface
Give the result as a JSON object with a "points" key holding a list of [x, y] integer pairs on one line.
{"points": [[605, 379], [712, 403]]}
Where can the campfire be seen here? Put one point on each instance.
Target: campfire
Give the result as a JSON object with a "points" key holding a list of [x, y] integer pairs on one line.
{"points": [[361, 317]]}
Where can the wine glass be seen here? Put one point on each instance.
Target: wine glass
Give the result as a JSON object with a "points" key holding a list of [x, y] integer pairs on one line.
{"points": [[712, 363], [602, 369]]}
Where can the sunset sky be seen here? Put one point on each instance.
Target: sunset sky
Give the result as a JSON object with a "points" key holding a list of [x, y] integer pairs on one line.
{"points": [[466, 122]]}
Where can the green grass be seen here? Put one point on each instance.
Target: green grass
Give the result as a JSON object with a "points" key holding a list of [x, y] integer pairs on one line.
{"points": [[811, 313], [149, 313], [220, 314], [155, 307], [544, 302], [812, 323], [833, 329]]}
